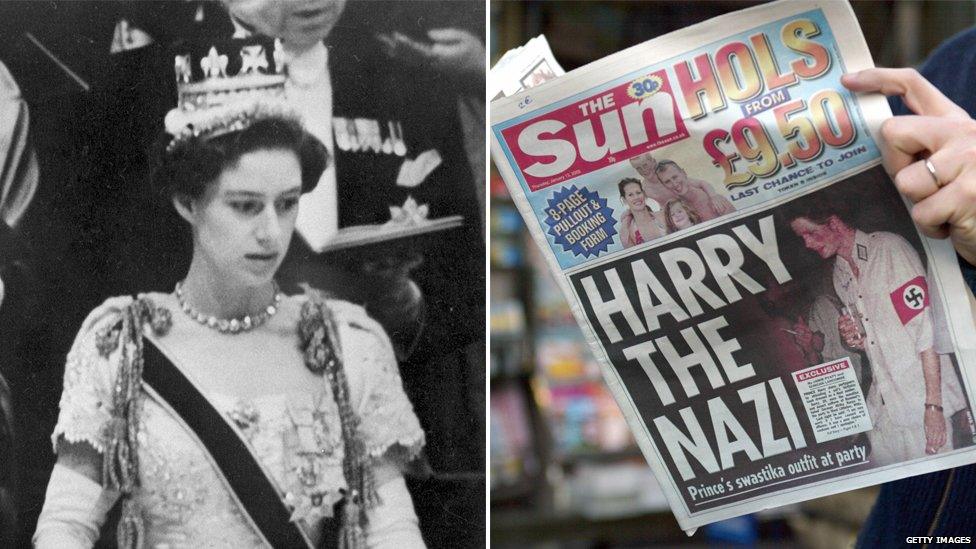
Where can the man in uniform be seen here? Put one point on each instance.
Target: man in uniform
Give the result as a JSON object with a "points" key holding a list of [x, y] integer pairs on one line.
{"points": [[695, 192], [881, 277]]}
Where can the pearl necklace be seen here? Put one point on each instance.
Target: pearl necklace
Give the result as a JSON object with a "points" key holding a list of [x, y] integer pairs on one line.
{"points": [[233, 325]]}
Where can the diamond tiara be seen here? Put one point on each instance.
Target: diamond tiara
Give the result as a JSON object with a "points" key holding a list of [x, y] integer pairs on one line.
{"points": [[225, 87]]}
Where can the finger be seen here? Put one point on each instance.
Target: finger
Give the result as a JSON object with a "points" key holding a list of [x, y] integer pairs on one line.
{"points": [[415, 45], [447, 35], [442, 49], [917, 182], [399, 46], [927, 218], [933, 213], [920, 96], [949, 211], [389, 44], [906, 136]]}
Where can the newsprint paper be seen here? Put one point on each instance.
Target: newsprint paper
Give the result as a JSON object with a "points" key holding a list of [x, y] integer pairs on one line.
{"points": [[766, 315]]}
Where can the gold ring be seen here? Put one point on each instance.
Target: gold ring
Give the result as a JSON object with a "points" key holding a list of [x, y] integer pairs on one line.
{"points": [[931, 169]]}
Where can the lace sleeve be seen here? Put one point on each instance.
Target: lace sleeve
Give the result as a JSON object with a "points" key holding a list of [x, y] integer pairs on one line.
{"points": [[387, 419], [86, 400]]}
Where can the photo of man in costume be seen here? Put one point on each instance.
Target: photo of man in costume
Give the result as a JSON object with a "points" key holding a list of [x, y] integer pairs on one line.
{"points": [[880, 278]]}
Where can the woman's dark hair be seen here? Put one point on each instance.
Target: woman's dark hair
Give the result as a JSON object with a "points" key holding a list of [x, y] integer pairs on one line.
{"points": [[189, 167], [628, 181]]}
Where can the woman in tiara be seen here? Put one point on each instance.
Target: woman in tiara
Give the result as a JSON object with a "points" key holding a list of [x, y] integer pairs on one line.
{"points": [[226, 414]]}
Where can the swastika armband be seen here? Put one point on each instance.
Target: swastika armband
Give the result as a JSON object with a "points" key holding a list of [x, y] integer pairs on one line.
{"points": [[910, 299]]}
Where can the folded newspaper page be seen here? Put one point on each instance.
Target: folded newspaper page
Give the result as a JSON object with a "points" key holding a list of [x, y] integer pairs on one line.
{"points": [[522, 68], [769, 320]]}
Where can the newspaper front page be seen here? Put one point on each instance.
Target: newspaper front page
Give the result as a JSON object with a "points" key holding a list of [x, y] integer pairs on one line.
{"points": [[766, 315]]}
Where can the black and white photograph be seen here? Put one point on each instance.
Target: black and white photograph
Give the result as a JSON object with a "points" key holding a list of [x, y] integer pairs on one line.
{"points": [[242, 274]]}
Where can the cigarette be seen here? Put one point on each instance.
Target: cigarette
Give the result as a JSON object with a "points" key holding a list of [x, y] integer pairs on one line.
{"points": [[789, 331]]}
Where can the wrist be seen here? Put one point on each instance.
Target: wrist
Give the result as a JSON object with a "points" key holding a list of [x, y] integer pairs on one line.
{"points": [[936, 407]]}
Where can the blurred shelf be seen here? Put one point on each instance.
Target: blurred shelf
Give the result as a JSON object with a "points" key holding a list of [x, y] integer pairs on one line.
{"points": [[600, 456], [508, 337], [508, 270], [509, 377], [502, 200], [521, 526], [512, 492]]}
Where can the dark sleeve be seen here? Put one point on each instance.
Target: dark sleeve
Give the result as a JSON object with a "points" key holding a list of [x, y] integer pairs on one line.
{"points": [[951, 68]]}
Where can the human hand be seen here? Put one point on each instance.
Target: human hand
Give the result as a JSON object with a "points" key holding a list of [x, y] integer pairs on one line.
{"points": [[935, 430], [803, 335], [451, 50], [850, 333], [718, 204], [809, 342], [945, 135]]}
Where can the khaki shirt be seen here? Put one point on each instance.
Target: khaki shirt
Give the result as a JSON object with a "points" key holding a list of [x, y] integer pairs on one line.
{"points": [[890, 294]]}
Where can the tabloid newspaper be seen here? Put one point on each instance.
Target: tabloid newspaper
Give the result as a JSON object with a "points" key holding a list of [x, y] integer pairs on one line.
{"points": [[769, 320]]}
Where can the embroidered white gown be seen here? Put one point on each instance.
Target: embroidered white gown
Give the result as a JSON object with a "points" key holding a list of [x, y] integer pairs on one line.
{"points": [[295, 436]]}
